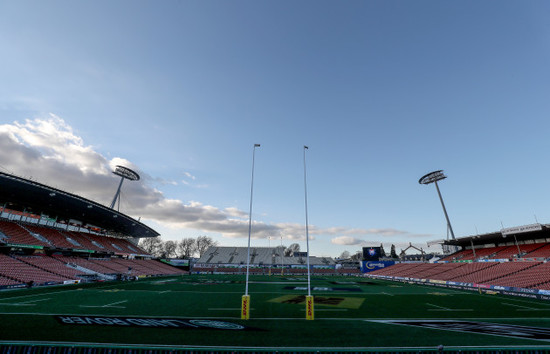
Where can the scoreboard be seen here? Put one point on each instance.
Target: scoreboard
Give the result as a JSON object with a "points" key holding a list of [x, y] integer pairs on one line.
{"points": [[371, 254]]}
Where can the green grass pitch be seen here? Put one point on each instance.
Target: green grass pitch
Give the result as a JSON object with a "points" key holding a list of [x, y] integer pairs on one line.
{"points": [[350, 313]]}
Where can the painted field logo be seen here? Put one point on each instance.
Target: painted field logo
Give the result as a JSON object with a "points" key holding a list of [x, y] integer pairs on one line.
{"points": [[333, 301], [148, 322], [216, 324]]}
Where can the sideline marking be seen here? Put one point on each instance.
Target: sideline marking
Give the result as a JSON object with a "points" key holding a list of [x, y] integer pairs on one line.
{"points": [[524, 308], [111, 305], [26, 303], [226, 309], [441, 308], [316, 310]]}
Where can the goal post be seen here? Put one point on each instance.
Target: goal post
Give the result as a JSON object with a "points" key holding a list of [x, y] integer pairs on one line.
{"points": [[245, 307]]}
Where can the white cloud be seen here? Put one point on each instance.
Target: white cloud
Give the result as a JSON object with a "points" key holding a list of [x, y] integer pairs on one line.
{"points": [[47, 149], [347, 241]]}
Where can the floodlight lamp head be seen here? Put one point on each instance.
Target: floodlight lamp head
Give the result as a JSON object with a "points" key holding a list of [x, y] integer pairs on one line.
{"points": [[127, 173], [432, 177]]}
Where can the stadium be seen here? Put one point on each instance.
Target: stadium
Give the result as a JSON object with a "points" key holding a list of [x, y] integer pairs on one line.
{"points": [[74, 280]]}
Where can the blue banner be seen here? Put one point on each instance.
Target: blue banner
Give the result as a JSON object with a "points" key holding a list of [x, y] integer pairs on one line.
{"points": [[370, 266]]}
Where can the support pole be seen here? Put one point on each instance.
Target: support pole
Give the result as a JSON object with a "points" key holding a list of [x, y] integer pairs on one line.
{"points": [[445, 211], [309, 299], [245, 303]]}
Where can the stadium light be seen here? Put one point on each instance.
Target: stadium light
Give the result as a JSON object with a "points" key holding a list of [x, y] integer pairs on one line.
{"points": [[309, 298], [433, 177], [124, 173], [245, 302]]}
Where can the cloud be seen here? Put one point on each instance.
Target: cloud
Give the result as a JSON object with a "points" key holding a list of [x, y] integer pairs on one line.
{"points": [[48, 150], [347, 241]]}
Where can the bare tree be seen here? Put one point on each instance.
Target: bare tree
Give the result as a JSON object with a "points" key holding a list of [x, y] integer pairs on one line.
{"points": [[357, 256], [169, 249], [294, 247], [345, 255], [203, 243], [187, 247], [151, 245]]}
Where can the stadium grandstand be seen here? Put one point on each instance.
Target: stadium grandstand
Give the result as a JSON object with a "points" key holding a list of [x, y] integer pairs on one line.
{"points": [[49, 237], [266, 260], [512, 260]]}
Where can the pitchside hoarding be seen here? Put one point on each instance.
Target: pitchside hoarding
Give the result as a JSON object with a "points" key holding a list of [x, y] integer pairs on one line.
{"points": [[367, 266]]}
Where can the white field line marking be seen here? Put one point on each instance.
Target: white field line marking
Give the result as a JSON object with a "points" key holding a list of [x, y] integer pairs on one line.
{"points": [[17, 304], [522, 307], [527, 302], [440, 308], [333, 310], [26, 303], [277, 282], [383, 293], [165, 291], [49, 293], [29, 302], [525, 308], [227, 309], [111, 305]]}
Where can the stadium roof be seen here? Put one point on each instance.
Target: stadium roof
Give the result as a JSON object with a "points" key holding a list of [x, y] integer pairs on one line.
{"points": [[21, 194], [523, 233]]}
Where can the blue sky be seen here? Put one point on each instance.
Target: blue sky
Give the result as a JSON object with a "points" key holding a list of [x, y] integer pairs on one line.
{"points": [[382, 92]]}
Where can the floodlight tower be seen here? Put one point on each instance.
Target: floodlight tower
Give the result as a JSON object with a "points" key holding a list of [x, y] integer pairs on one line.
{"points": [[124, 173], [433, 177]]}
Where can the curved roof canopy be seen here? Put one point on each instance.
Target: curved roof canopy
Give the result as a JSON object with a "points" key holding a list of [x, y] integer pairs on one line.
{"points": [[21, 194]]}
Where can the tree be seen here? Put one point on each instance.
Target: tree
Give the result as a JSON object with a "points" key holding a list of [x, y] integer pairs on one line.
{"points": [[169, 249], [151, 245], [382, 252], [357, 256], [187, 247], [392, 252], [203, 243], [294, 247], [345, 255]]}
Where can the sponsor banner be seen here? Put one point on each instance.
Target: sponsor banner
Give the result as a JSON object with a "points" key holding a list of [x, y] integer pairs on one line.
{"points": [[482, 286], [494, 329], [319, 288], [15, 286], [498, 287], [544, 292], [493, 260], [521, 229], [148, 322], [369, 266], [526, 291], [177, 262], [24, 246]]}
